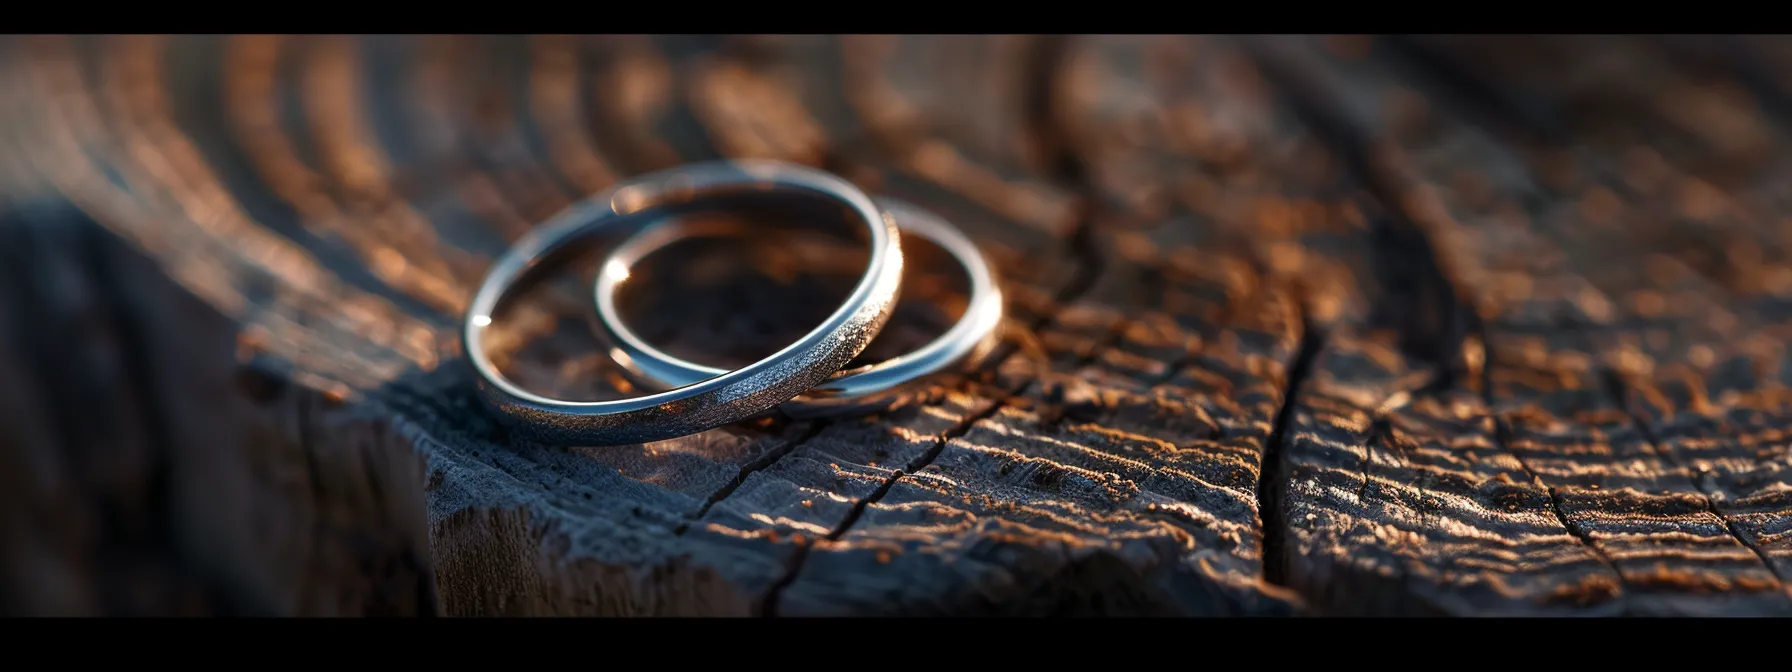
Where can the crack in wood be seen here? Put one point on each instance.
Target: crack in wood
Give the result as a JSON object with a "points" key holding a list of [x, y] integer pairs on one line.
{"points": [[1502, 435], [764, 461], [1272, 477], [1428, 481], [959, 429], [1070, 294], [1502, 439], [1619, 392], [1416, 296], [1045, 133], [769, 607]]}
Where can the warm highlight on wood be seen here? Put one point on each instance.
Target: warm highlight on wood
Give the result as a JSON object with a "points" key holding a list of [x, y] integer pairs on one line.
{"points": [[1346, 325]]}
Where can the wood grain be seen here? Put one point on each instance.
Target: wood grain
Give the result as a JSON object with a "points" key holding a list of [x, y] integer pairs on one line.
{"points": [[1321, 326]]}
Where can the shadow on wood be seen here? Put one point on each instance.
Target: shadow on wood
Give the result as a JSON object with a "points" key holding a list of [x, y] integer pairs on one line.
{"points": [[1350, 325]]}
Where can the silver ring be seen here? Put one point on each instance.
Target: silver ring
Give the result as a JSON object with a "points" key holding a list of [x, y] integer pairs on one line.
{"points": [[866, 389], [717, 400]]}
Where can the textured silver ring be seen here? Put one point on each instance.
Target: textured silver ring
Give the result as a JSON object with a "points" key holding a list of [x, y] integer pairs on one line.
{"points": [[865, 389], [716, 400]]}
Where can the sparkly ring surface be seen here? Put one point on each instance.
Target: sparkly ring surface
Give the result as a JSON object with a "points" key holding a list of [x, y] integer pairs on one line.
{"points": [[716, 399], [864, 389]]}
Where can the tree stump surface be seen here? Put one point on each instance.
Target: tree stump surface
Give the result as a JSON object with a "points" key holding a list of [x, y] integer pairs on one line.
{"points": [[1305, 326]]}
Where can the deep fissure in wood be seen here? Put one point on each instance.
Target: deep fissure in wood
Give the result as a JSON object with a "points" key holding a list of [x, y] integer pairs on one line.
{"points": [[1407, 286], [1272, 478]]}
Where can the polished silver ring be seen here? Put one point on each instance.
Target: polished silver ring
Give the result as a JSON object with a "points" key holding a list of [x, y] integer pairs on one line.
{"points": [[865, 389], [715, 400]]}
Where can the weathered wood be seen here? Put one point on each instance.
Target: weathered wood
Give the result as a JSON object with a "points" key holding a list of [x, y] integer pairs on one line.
{"points": [[1335, 326], [1575, 309]]}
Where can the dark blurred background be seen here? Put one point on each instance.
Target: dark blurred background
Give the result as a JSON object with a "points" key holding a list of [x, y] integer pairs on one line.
{"points": [[232, 269]]}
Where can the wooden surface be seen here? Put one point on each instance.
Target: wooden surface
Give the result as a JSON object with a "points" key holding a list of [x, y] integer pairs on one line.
{"points": [[1335, 326]]}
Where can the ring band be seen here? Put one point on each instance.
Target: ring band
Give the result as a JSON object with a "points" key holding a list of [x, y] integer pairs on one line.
{"points": [[865, 389], [718, 400]]}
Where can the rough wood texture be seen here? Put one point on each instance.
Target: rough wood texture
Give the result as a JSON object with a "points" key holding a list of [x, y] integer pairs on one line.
{"points": [[1343, 325]]}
